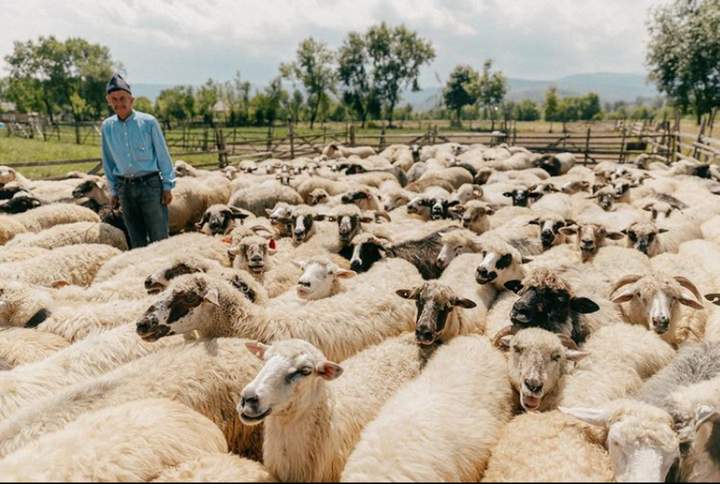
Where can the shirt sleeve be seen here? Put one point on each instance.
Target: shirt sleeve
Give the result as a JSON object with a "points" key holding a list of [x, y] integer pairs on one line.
{"points": [[167, 171], [109, 165]]}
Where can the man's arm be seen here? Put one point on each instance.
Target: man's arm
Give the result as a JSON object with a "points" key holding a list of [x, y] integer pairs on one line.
{"points": [[163, 157], [108, 162]]}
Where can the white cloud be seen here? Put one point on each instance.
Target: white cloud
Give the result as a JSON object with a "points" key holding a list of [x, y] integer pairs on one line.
{"points": [[178, 41]]}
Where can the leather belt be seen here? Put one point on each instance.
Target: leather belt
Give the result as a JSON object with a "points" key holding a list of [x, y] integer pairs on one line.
{"points": [[137, 179]]}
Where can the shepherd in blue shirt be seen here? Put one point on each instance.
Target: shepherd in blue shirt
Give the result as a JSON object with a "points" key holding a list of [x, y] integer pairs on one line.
{"points": [[137, 165]]}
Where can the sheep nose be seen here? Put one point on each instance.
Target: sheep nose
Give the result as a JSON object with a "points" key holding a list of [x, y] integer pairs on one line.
{"points": [[256, 258], [304, 283], [249, 398], [423, 335], [356, 265], [147, 323], [661, 323], [534, 386], [148, 282], [587, 244]]}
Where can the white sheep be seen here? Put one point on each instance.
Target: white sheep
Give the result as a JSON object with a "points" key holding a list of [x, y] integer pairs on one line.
{"points": [[15, 254], [130, 442], [206, 375], [341, 325], [217, 468], [192, 197], [70, 234], [43, 218], [72, 264], [19, 346], [311, 425], [443, 425]]}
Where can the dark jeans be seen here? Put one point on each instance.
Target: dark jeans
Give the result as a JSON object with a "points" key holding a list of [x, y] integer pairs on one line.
{"points": [[144, 214]]}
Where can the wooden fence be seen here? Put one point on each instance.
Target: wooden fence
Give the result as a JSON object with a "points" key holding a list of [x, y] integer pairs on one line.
{"points": [[597, 142]]}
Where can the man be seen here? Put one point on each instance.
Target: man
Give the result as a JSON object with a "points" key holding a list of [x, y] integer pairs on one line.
{"points": [[137, 165]]}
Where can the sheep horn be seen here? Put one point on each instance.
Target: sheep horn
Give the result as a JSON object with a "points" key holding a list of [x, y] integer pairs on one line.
{"points": [[568, 342], [685, 282], [624, 281], [383, 214], [507, 330], [260, 228]]}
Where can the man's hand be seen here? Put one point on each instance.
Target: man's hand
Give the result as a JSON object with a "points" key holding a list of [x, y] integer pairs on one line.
{"points": [[114, 202], [167, 197]]}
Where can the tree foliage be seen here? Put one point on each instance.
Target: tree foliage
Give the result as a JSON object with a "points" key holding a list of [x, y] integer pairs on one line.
{"points": [[490, 89], [684, 53], [458, 89], [314, 67]]}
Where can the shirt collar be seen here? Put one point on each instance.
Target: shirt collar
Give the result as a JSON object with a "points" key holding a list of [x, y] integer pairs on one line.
{"points": [[129, 118]]}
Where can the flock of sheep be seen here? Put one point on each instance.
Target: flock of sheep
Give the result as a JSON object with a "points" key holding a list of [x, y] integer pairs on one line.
{"points": [[434, 313]]}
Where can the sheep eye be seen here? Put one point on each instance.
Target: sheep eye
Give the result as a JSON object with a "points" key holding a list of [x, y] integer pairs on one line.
{"points": [[633, 236], [517, 349], [556, 357], [192, 298], [651, 236]]}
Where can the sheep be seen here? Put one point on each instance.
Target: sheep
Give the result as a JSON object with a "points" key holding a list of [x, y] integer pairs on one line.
{"points": [[336, 150], [218, 219], [650, 239], [21, 202], [86, 359], [197, 244], [311, 426], [259, 198], [501, 262], [70, 234], [217, 468], [653, 303], [644, 433], [422, 253], [556, 164], [455, 176], [183, 168], [516, 161], [321, 278], [207, 376], [551, 225], [590, 238], [465, 385], [475, 215], [19, 253], [339, 325], [455, 243], [192, 196], [548, 447], [19, 346], [72, 264], [42, 218], [130, 442]]}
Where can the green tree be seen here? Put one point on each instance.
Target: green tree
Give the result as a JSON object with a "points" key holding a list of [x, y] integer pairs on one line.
{"points": [[589, 106], [526, 110], [314, 68], [176, 103], [144, 105], [490, 89], [206, 96], [457, 93], [355, 76], [396, 55], [71, 75], [551, 106], [684, 53]]}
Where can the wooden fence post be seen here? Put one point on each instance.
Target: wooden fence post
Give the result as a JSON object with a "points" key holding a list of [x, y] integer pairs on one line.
{"points": [[352, 135], [621, 156], [381, 145], [222, 148], [324, 134], [205, 140], [291, 134], [587, 145], [269, 139]]}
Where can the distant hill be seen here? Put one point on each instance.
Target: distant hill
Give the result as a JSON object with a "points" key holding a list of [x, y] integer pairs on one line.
{"points": [[610, 87]]}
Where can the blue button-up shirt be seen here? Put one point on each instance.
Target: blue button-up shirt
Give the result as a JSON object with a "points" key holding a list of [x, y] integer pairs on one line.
{"points": [[135, 147]]}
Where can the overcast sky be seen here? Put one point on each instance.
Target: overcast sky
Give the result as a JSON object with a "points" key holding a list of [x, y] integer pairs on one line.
{"points": [[186, 42]]}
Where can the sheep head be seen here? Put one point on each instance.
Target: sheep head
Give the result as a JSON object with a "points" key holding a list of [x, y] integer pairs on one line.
{"points": [[644, 237], [521, 196], [435, 303], [640, 438], [320, 278], [292, 370], [501, 263], [21, 202], [454, 243], [590, 237], [654, 299], [251, 253], [348, 222], [537, 360], [551, 229], [218, 219]]}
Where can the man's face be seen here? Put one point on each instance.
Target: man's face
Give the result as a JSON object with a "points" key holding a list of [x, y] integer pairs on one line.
{"points": [[121, 102]]}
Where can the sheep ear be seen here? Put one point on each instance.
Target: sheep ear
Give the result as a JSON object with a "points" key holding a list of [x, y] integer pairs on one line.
{"points": [[575, 355], [507, 194], [525, 260], [503, 344], [590, 416], [690, 303], [713, 298], [464, 303], [328, 370], [212, 297], [662, 231], [583, 305], [514, 286], [59, 284], [268, 211], [705, 413], [319, 216], [256, 348], [569, 230], [345, 274], [406, 293], [535, 221], [300, 264], [624, 296], [272, 246], [615, 235]]}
